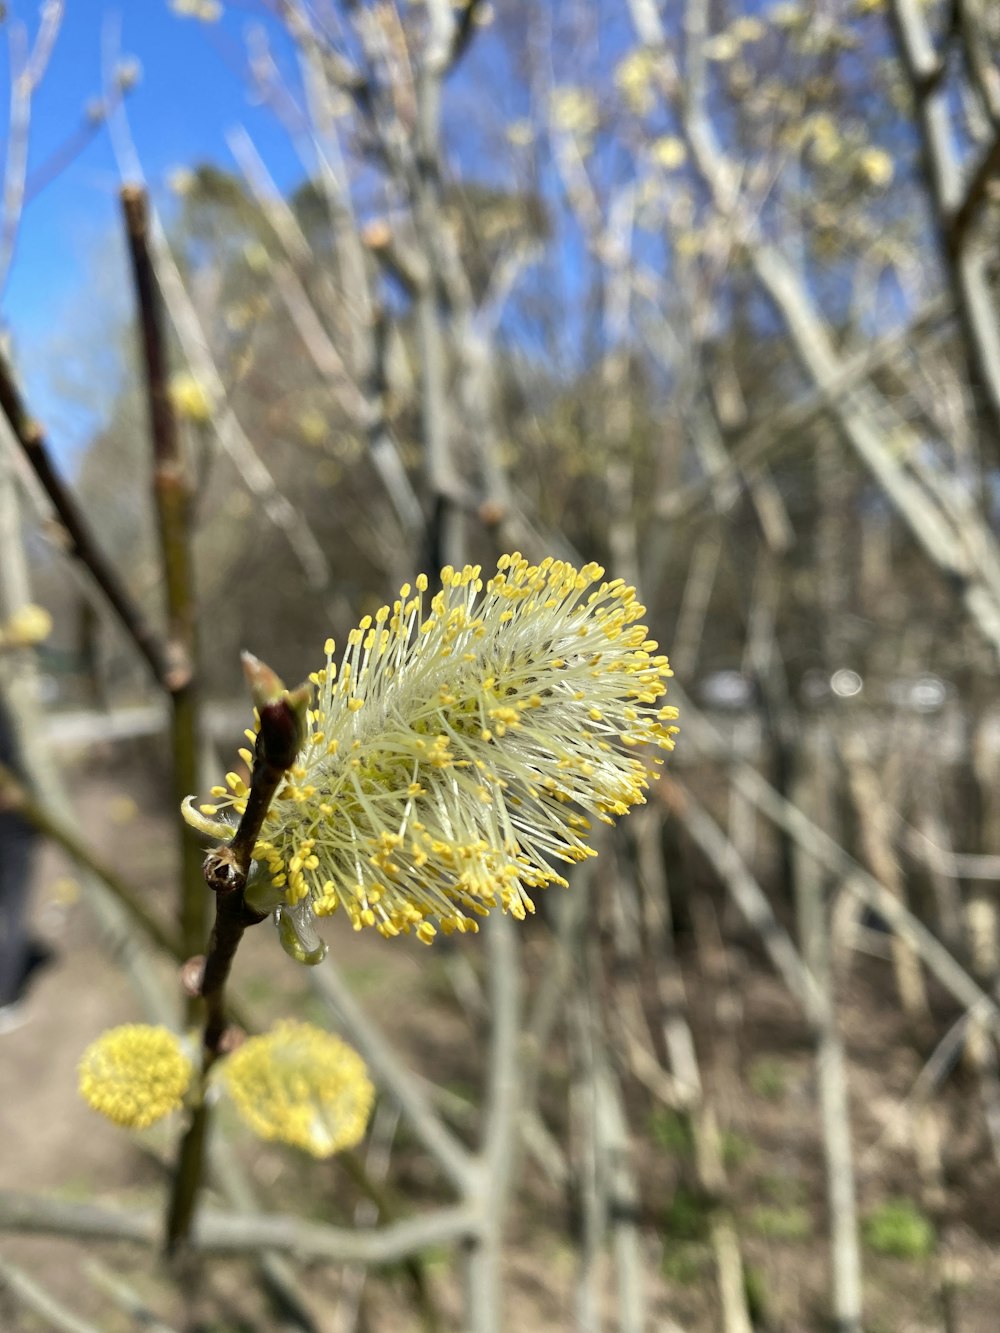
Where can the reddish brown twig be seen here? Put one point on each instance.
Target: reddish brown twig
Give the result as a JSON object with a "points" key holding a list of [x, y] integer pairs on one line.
{"points": [[172, 498], [282, 727]]}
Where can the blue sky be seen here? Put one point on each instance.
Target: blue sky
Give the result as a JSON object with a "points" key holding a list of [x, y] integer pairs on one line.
{"points": [[191, 92]]}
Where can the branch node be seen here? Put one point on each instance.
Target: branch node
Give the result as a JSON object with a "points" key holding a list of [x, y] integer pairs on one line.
{"points": [[223, 872], [192, 975]]}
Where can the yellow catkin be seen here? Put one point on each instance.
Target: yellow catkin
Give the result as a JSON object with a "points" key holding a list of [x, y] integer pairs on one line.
{"points": [[481, 729], [300, 1085], [135, 1075]]}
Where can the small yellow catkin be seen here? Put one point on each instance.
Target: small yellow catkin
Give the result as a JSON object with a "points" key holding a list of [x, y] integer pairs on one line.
{"points": [[135, 1075], [300, 1085]]}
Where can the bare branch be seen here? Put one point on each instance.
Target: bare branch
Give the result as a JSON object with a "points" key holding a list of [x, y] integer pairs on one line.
{"points": [[172, 497], [82, 544], [221, 1233], [45, 1306], [394, 1078], [26, 70]]}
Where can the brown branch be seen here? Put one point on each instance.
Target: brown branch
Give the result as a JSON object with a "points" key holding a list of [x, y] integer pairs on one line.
{"points": [[82, 544], [227, 866], [281, 732], [965, 271], [464, 31], [984, 77], [172, 498], [964, 216]]}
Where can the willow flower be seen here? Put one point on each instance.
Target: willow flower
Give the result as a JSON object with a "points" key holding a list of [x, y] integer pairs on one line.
{"points": [[135, 1075], [300, 1085], [455, 758]]}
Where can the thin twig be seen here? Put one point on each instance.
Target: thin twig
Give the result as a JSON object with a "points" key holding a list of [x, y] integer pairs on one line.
{"points": [[812, 788], [15, 796], [394, 1078], [124, 1295], [484, 1310], [82, 544], [27, 69], [194, 343], [40, 1302], [235, 1234], [172, 496], [696, 1103], [746, 893], [226, 869], [956, 980], [874, 827]]}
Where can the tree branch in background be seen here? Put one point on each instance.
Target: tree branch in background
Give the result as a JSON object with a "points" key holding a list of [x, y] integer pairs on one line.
{"points": [[14, 796], [194, 343], [463, 32], [27, 70], [969, 18], [966, 213], [172, 498], [954, 203], [94, 119], [237, 1233], [40, 1302], [82, 544], [801, 829]]}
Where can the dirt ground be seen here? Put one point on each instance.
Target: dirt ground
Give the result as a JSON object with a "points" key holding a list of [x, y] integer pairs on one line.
{"points": [[759, 1064]]}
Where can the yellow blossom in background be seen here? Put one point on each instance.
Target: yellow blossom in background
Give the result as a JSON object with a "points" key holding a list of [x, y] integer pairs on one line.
{"points": [[328, 472], [122, 809], [454, 759], [256, 257], [689, 244], [787, 15], [747, 29], [65, 891], [313, 426], [634, 80], [238, 317], [30, 624], [135, 1075], [876, 166], [190, 398], [520, 133], [823, 136], [207, 11], [574, 110], [668, 152], [723, 46], [300, 1085], [181, 181]]}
